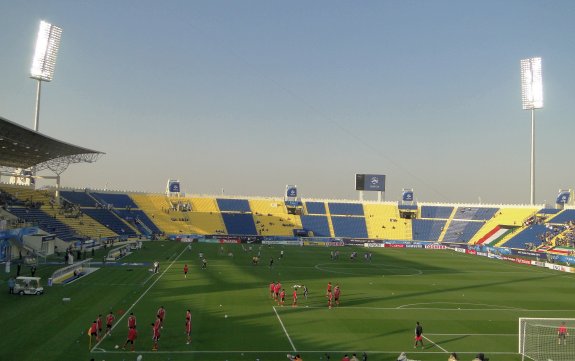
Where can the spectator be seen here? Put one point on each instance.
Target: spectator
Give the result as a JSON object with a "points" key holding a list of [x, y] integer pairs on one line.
{"points": [[11, 284], [453, 357]]}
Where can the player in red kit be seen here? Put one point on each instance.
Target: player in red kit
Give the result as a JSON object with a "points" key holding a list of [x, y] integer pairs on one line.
{"points": [[282, 297], [562, 334], [156, 333], [132, 335], [277, 289], [272, 287], [329, 299], [336, 293], [99, 322], [294, 296], [185, 271], [188, 327], [93, 332], [327, 293], [109, 322], [161, 315], [132, 320]]}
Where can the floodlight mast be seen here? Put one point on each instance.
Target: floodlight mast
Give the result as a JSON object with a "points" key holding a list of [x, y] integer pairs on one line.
{"points": [[532, 98], [44, 61]]}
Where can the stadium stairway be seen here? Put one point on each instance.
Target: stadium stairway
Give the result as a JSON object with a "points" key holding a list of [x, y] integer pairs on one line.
{"points": [[447, 224]]}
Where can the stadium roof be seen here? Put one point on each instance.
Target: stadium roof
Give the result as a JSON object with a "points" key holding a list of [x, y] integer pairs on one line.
{"points": [[21, 147]]}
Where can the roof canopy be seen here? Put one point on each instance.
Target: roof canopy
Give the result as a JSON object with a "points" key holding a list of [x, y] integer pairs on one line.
{"points": [[21, 147]]}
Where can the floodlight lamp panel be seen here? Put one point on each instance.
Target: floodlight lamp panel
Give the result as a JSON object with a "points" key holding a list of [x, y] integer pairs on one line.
{"points": [[531, 83], [46, 52]]}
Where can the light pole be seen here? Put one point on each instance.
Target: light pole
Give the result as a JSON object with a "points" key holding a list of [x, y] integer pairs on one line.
{"points": [[532, 98], [44, 61]]}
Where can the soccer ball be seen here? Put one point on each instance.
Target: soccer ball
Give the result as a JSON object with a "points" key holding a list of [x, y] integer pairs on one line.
{"points": [[117, 346], [139, 358], [226, 316]]}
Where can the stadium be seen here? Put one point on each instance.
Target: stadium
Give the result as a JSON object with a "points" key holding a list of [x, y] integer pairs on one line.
{"points": [[92, 273], [469, 273]]}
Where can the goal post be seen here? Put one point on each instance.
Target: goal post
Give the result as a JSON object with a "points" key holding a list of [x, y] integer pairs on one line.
{"points": [[544, 339]]}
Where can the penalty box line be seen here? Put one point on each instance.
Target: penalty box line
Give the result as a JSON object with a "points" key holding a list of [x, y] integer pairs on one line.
{"points": [[139, 298], [283, 327]]}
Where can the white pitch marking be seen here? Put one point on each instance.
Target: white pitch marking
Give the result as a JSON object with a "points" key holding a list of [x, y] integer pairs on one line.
{"points": [[282, 324], [138, 300]]}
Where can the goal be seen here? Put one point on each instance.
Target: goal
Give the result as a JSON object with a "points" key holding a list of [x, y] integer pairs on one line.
{"points": [[539, 339]]}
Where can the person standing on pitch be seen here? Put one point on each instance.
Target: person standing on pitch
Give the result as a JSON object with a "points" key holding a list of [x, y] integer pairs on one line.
{"points": [[186, 270], [418, 335], [188, 327], [562, 334]]}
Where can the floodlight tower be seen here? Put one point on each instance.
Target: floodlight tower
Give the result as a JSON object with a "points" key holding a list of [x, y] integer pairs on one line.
{"points": [[44, 61], [532, 97]]}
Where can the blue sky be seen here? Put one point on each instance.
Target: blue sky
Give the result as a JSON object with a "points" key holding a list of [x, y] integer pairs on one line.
{"points": [[249, 96]]}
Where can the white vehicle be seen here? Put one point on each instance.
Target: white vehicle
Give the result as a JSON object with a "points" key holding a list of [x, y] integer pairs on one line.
{"points": [[28, 286]]}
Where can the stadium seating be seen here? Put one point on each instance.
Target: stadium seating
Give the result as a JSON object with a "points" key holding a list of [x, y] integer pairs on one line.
{"points": [[239, 224], [461, 231], [345, 209], [426, 229], [110, 220], [117, 200], [45, 222], [352, 227], [383, 222], [233, 205], [80, 198], [315, 207], [137, 218], [316, 224], [565, 216], [436, 212], [506, 216], [475, 213], [204, 204], [531, 235]]}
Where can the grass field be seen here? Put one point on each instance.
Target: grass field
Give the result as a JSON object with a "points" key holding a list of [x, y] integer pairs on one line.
{"points": [[466, 304]]}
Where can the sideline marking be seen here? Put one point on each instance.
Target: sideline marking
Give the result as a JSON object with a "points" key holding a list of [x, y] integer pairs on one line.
{"points": [[282, 324], [444, 350], [473, 334], [138, 300], [495, 307], [301, 352]]}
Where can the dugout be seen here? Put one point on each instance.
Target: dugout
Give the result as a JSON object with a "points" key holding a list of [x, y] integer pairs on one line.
{"points": [[72, 272]]}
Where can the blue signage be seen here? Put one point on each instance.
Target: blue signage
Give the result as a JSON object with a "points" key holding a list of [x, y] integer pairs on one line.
{"points": [[563, 197], [370, 182], [174, 187], [291, 192], [407, 196]]}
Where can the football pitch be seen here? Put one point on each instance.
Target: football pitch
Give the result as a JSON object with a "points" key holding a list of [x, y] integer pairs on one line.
{"points": [[466, 304]]}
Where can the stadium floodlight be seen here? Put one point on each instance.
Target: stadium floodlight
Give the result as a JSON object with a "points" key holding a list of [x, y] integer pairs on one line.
{"points": [[532, 97], [44, 60]]}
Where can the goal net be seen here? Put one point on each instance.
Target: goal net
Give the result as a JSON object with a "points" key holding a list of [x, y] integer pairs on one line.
{"points": [[547, 339]]}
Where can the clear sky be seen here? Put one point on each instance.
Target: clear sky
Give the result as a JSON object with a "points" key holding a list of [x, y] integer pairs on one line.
{"points": [[248, 96]]}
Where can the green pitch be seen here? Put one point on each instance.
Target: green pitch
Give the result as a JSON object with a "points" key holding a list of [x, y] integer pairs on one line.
{"points": [[466, 304]]}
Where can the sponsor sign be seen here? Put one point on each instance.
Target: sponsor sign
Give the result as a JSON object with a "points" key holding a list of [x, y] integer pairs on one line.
{"points": [[394, 245], [434, 246]]}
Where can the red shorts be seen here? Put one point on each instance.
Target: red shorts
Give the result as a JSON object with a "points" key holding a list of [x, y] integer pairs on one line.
{"points": [[418, 338]]}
